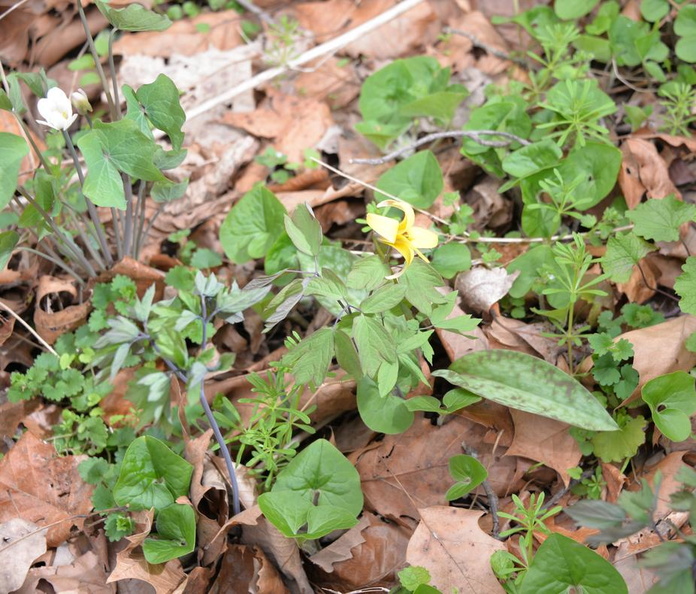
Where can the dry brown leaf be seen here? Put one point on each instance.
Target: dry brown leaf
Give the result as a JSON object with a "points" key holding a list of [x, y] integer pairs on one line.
{"points": [[246, 569], [53, 317], [638, 578], [85, 574], [398, 37], [329, 81], [369, 554], [21, 542], [660, 349], [643, 171], [636, 289], [668, 467], [142, 275], [410, 470], [183, 37], [544, 440], [482, 287], [293, 123], [38, 485], [450, 544], [164, 578], [517, 335], [284, 552]]}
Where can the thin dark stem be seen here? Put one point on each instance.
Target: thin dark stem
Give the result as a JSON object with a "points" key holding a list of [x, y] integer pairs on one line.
{"points": [[142, 203], [490, 494], [91, 209], [128, 225], [475, 135], [30, 139], [213, 423]]}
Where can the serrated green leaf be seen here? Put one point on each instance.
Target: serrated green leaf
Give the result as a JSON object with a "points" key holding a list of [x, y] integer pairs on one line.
{"points": [[526, 383], [383, 299], [624, 251], [616, 446], [660, 219], [304, 230], [309, 360], [367, 273], [328, 285], [375, 345], [421, 281]]}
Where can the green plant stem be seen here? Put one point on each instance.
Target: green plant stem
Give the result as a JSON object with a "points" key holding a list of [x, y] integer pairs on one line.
{"points": [[88, 244], [97, 62], [91, 209], [112, 70], [128, 225], [70, 244], [55, 261], [116, 224], [142, 203]]}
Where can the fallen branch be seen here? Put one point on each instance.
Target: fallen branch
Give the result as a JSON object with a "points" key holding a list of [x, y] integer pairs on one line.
{"points": [[333, 45]]}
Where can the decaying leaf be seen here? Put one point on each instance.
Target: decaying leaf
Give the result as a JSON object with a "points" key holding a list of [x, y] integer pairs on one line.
{"points": [[483, 287], [39, 486], [52, 317], [21, 542], [450, 544]]}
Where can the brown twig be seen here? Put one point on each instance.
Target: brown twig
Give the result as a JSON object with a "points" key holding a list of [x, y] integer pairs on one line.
{"points": [[475, 135]]}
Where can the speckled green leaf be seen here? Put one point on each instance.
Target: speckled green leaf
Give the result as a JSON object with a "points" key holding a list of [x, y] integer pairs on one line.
{"points": [[526, 383]]}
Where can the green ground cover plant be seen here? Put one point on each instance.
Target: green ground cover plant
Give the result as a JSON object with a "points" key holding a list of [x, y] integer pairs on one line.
{"points": [[550, 141]]}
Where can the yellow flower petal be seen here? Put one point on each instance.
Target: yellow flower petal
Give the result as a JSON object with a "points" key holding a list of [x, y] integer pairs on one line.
{"points": [[405, 248], [406, 208], [385, 227], [422, 238]]}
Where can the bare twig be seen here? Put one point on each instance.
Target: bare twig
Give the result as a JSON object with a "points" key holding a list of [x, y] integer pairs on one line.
{"points": [[490, 494], [316, 52], [33, 332], [475, 135]]}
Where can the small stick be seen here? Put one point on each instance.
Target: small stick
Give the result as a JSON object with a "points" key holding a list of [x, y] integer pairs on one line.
{"points": [[33, 332], [251, 7], [475, 135]]}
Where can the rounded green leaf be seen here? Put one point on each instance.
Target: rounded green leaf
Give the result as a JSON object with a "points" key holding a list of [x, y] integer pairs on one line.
{"points": [[526, 383], [176, 534], [672, 401], [151, 475], [416, 180], [384, 414], [563, 565]]}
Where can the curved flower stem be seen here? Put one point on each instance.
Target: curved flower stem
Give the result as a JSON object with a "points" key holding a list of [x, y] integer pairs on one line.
{"points": [[97, 62]]}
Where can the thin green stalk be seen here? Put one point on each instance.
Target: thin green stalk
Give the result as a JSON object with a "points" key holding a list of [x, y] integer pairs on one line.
{"points": [[88, 244], [76, 251], [116, 224], [142, 205], [97, 62], [30, 139], [112, 69], [91, 209], [55, 261]]}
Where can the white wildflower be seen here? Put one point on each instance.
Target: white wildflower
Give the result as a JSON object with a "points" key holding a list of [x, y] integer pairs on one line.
{"points": [[56, 110]]}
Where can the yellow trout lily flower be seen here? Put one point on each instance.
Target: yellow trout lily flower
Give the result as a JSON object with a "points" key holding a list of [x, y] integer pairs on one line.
{"points": [[403, 236]]}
